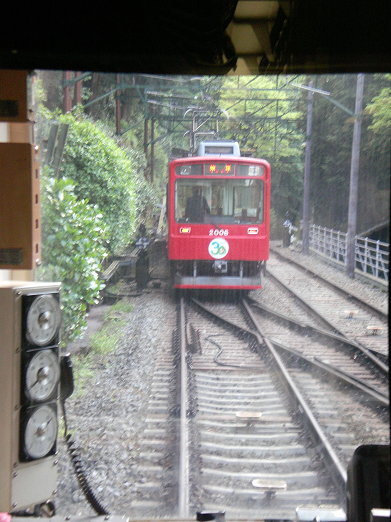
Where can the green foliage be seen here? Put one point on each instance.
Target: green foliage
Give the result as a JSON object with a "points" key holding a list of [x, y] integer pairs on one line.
{"points": [[116, 311], [74, 237], [147, 201], [107, 338], [380, 109], [83, 372], [86, 214], [104, 341], [103, 174]]}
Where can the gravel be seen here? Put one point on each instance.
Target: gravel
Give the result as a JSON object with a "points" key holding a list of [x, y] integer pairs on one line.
{"points": [[107, 420]]}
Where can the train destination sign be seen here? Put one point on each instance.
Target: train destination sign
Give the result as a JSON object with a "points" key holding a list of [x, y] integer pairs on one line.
{"points": [[219, 168]]}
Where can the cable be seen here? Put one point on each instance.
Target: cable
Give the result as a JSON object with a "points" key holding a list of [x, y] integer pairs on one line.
{"points": [[220, 351], [79, 469]]}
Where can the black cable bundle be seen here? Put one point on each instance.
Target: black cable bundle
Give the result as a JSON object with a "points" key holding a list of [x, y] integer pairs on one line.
{"points": [[80, 471]]}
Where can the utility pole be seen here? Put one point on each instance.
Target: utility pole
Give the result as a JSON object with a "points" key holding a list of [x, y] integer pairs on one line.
{"points": [[118, 105], [354, 171], [307, 174], [152, 154], [146, 138]]}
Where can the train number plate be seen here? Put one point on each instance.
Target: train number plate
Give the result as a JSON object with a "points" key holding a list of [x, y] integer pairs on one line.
{"points": [[218, 232]]}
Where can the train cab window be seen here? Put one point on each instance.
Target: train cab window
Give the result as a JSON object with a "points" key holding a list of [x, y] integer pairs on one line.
{"points": [[248, 201], [224, 201], [192, 201]]}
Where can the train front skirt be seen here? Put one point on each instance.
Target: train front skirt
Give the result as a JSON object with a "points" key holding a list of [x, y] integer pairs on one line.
{"points": [[244, 275]]}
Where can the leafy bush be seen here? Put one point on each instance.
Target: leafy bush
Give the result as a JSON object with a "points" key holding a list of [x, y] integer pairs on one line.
{"points": [[103, 174], [74, 236]]}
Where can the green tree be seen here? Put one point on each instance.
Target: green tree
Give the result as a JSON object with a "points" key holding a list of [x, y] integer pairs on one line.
{"points": [[380, 109], [332, 148], [265, 118]]}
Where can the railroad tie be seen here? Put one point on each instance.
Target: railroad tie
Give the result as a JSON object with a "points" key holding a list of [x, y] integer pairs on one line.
{"points": [[374, 330], [249, 416], [349, 314], [269, 487]]}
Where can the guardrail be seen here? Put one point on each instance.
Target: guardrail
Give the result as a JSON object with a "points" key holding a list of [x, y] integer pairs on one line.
{"points": [[372, 257]]}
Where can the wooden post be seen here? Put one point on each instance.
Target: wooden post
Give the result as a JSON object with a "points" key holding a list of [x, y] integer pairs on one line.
{"points": [[78, 86], [67, 75]]}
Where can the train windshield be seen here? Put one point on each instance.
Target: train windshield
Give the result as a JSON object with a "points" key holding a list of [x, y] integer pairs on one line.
{"points": [[220, 201]]}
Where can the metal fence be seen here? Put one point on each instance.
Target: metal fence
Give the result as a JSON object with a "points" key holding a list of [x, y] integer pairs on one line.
{"points": [[371, 256]]}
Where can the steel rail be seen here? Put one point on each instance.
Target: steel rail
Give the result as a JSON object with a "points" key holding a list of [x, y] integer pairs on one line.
{"points": [[337, 471], [379, 364], [239, 329], [183, 479], [341, 291], [354, 382], [309, 307]]}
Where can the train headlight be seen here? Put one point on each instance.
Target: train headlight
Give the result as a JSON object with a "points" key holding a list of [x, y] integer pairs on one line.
{"points": [[185, 230], [220, 267]]}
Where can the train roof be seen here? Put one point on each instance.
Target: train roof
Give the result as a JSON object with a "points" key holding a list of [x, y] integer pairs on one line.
{"points": [[218, 148]]}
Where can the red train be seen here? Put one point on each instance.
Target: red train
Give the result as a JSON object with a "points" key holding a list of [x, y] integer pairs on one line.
{"points": [[218, 218]]}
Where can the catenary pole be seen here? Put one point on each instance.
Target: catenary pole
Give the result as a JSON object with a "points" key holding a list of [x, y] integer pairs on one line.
{"points": [[354, 171], [307, 174]]}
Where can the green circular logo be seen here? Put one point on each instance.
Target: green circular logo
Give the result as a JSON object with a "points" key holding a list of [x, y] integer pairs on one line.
{"points": [[218, 248]]}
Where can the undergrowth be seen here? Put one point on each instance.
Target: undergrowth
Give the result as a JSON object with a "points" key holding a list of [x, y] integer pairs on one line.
{"points": [[101, 343]]}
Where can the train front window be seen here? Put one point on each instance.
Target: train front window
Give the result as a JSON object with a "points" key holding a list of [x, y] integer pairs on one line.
{"points": [[222, 201]]}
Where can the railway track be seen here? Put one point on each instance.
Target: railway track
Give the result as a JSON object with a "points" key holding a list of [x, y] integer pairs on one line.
{"points": [[250, 456], [356, 297], [239, 418], [319, 348], [256, 409], [357, 400], [262, 436], [334, 308], [154, 492]]}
